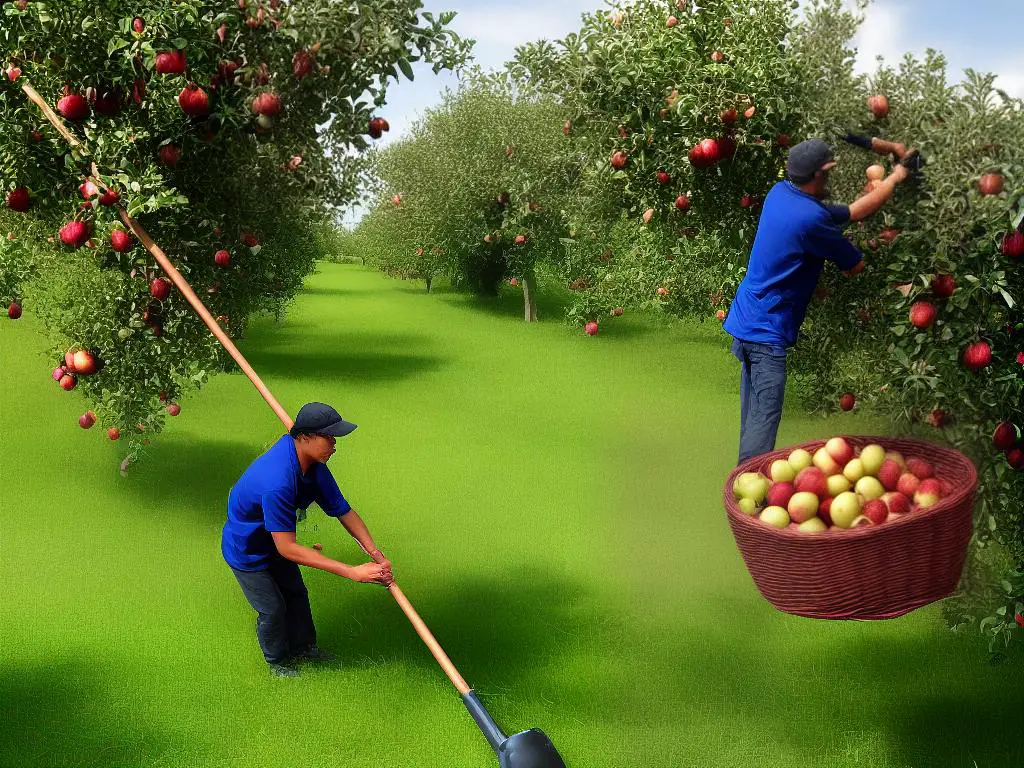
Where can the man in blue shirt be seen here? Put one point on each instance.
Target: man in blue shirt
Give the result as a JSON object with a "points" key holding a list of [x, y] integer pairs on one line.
{"points": [[797, 234], [258, 539]]}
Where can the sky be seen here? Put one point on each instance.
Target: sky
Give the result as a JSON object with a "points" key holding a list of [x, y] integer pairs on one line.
{"points": [[987, 35]]}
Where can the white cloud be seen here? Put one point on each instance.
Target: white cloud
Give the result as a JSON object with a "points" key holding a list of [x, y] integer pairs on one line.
{"points": [[884, 33]]}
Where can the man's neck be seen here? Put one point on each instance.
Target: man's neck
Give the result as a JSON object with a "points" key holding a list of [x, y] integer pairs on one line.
{"points": [[305, 462]]}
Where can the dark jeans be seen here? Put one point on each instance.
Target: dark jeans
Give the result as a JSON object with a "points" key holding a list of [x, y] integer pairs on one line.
{"points": [[762, 390], [284, 625]]}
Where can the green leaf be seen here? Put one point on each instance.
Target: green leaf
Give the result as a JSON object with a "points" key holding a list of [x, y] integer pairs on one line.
{"points": [[116, 44], [406, 68]]}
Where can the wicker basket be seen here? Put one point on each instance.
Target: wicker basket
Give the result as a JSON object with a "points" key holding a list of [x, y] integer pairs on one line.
{"points": [[870, 572]]}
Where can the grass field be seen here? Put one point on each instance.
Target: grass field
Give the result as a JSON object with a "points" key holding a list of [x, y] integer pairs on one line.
{"points": [[551, 504]]}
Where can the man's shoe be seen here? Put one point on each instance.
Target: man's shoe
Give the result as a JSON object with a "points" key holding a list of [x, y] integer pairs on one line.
{"points": [[314, 653], [280, 670]]}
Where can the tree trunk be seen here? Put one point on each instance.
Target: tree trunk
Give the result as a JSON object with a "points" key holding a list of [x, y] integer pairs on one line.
{"points": [[530, 296], [429, 280]]}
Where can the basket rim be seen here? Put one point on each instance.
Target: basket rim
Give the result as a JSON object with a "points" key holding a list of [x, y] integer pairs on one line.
{"points": [[947, 505]]}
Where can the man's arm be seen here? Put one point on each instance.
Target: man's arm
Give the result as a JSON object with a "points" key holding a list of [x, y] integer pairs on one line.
{"points": [[354, 525], [874, 144], [872, 202], [290, 549]]}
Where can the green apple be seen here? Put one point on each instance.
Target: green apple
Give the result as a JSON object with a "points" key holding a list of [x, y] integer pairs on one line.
{"points": [[741, 479], [870, 488], [782, 471], [748, 506], [872, 458], [838, 484], [854, 470], [753, 486], [845, 509], [776, 517], [802, 507], [814, 525], [800, 459]]}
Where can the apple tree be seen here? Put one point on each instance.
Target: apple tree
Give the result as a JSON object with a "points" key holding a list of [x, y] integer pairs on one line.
{"points": [[477, 191], [227, 128]]}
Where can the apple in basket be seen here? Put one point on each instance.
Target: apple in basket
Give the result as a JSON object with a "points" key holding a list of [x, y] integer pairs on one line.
{"points": [[751, 485]]}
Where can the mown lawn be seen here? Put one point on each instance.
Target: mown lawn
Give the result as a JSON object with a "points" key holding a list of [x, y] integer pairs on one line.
{"points": [[551, 504]]}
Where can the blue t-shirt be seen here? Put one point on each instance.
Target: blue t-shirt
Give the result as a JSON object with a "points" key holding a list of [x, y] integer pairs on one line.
{"points": [[796, 236], [265, 499]]}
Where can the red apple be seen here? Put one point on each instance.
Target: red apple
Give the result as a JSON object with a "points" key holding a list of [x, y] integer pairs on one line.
{"points": [[990, 184], [889, 475], [1013, 244], [922, 314], [160, 289], [114, 433], [109, 198], [222, 258], [977, 355], [876, 511], [717, 56], [779, 494], [520, 239], [811, 480], [920, 468], [943, 286], [897, 503], [847, 401], [825, 510], [908, 484], [18, 199], [671, 21], [729, 115], [1005, 436], [169, 155], [194, 101], [663, 177], [928, 493], [68, 382], [705, 154], [591, 328], [120, 241], [840, 450], [73, 107], [171, 62], [174, 409], [619, 160], [879, 106], [14, 310], [683, 203], [1015, 458], [84, 362], [86, 420]]}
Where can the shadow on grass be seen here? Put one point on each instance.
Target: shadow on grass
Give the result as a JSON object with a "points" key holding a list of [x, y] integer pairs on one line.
{"points": [[343, 356], [51, 716], [496, 631], [209, 467], [870, 696]]}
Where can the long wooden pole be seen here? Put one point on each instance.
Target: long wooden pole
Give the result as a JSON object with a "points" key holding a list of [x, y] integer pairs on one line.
{"points": [[186, 290]]}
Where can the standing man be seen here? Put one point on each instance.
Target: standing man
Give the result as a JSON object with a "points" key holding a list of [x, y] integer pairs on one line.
{"points": [[258, 539], [797, 234]]}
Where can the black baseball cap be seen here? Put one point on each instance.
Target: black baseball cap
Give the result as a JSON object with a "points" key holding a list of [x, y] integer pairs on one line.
{"points": [[321, 419], [807, 158]]}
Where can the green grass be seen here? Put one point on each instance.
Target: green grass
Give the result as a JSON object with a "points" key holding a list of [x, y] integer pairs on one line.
{"points": [[551, 504]]}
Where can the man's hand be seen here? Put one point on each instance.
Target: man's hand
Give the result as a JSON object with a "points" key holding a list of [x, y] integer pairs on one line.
{"points": [[372, 573], [900, 173], [378, 557]]}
